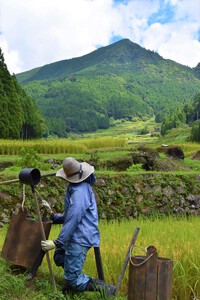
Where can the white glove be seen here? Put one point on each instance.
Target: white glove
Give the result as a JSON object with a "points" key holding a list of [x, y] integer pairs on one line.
{"points": [[47, 245], [47, 206]]}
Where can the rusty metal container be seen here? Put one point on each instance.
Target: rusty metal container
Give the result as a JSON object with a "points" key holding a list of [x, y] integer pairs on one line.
{"points": [[150, 277], [22, 243], [30, 176]]}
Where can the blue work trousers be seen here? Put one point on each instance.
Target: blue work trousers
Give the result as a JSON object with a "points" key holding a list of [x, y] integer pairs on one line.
{"points": [[72, 258]]}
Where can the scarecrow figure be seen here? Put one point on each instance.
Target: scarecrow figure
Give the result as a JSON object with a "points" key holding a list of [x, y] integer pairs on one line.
{"points": [[79, 231]]}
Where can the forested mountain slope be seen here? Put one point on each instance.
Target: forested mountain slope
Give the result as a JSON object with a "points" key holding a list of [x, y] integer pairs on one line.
{"points": [[20, 117], [122, 80]]}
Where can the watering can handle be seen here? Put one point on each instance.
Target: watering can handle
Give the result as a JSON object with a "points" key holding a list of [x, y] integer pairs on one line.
{"points": [[149, 255]]}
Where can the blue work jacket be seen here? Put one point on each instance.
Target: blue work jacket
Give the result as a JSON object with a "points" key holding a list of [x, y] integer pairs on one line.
{"points": [[80, 217]]}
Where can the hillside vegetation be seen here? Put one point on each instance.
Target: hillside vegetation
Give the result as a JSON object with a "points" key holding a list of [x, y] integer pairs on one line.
{"points": [[19, 115], [122, 80]]}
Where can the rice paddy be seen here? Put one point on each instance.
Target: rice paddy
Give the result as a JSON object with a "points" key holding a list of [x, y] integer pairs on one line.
{"points": [[175, 238]]}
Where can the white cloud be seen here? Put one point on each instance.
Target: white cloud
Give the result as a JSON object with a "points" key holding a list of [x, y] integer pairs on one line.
{"points": [[10, 56], [38, 32], [48, 30], [177, 40], [186, 9], [174, 41]]}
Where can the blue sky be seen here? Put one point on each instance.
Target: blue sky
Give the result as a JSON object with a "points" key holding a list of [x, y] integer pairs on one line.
{"points": [[38, 32], [164, 14]]}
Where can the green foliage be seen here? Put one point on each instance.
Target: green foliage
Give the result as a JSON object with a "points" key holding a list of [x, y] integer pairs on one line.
{"points": [[135, 168], [196, 104], [143, 131], [11, 286], [29, 158], [174, 120], [19, 115], [176, 136], [195, 132], [187, 114], [121, 81]]}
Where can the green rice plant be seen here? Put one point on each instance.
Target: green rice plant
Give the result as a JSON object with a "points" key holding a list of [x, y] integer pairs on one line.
{"points": [[189, 148], [14, 147], [174, 238]]}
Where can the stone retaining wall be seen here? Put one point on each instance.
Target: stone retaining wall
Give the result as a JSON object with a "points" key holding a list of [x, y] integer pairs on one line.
{"points": [[146, 194], [118, 195]]}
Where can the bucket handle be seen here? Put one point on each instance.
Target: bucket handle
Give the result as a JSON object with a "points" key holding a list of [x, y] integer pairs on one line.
{"points": [[144, 261]]}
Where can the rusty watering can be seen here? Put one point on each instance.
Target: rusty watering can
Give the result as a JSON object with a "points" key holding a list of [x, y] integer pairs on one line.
{"points": [[150, 277]]}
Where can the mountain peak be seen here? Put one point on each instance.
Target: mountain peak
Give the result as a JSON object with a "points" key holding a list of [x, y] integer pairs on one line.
{"points": [[120, 52], [122, 80]]}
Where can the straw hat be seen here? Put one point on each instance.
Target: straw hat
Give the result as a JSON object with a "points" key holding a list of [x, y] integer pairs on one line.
{"points": [[73, 171]]}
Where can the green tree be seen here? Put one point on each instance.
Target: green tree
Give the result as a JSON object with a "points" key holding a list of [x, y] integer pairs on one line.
{"points": [[195, 132], [189, 112], [176, 119], [19, 115], [197, 106]]}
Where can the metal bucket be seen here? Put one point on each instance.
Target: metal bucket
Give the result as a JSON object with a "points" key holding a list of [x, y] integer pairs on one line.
{"points": [[29, 176], [22, 243], [150, 277]]}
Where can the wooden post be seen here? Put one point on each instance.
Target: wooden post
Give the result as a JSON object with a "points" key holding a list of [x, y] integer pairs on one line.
{"points": [[44, 238]]}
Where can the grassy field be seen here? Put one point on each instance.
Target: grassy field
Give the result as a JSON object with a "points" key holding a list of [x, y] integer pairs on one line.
{"points": [[117, 141], [175, 239]]}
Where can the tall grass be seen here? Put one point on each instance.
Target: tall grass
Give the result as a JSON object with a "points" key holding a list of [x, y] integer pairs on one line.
{"points": [[13, 147], [190, 147], [174, 238]]}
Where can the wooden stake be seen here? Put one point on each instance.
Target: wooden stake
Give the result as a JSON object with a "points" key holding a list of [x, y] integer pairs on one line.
{"points": [[44, 238], [126, 259]]}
